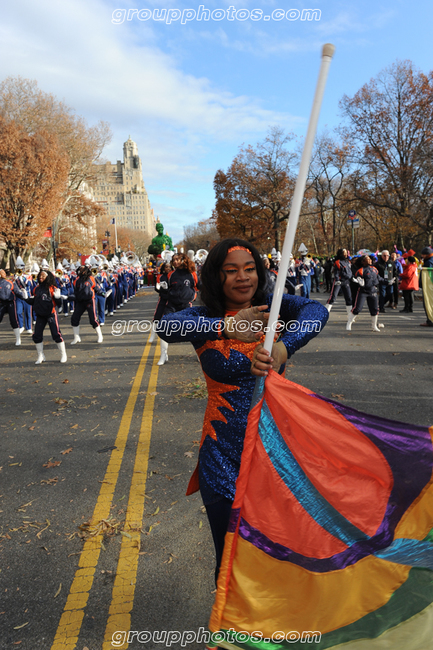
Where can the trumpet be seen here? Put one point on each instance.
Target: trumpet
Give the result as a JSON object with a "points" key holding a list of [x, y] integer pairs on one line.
{"points": [[19, 272], [94, 271], [59, 273]]}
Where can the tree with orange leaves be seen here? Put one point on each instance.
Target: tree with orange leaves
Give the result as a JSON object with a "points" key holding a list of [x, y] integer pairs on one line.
{"points": [[33, 177], [253, 197], [21, 100]]}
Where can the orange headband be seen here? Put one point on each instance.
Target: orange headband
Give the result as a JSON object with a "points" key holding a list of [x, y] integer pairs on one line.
{"points": [[238, 248]]}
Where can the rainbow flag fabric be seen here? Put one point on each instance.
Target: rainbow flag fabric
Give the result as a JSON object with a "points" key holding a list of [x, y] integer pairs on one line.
{"points": [[427, 290], [330, 543]]}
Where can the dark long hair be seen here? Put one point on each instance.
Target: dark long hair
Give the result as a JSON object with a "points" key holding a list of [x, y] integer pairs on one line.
{"points": [[50, 280], [84, 272], [212, 289]]}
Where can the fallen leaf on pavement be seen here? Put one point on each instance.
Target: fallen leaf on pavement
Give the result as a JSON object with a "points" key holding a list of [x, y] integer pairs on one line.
{"points": [[58, 590], [189, 454], [66, 451], [50, 464]]}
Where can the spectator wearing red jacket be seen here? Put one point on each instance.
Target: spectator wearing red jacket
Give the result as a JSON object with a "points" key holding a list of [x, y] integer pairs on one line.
{"points": [[409, 283]]}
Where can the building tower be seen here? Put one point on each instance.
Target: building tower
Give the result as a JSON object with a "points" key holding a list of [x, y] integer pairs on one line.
{"points": [[120, 189]]}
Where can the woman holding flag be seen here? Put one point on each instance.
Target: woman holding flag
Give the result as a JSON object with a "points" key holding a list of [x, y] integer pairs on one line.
{"points": [[227, 334]]}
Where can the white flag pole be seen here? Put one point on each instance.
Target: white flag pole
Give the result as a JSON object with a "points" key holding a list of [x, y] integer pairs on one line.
{"points": [[327, 54]]}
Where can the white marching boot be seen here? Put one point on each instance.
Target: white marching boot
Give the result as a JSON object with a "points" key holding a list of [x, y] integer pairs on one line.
{"points": [[351, 317], [328, 307], [375, 325], [153, 333], [62, 349], [41, 355], [77, 338], [349, 311], [164, 355], [17, 332], [99, 333]]}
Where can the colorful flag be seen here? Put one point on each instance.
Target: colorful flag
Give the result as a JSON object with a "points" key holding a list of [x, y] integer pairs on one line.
{"points": [[427, 290], [330, 542]]}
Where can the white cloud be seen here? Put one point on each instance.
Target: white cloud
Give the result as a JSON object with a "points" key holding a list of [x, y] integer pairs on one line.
{"points": [[73, 48], [119, 73]]}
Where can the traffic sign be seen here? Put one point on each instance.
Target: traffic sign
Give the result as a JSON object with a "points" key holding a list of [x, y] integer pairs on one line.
{"points": [[353, 222], [351, 214]]}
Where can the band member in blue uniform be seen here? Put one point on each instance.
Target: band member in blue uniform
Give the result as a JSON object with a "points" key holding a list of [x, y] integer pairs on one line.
{"points": [[24, 312], [9, 290]]}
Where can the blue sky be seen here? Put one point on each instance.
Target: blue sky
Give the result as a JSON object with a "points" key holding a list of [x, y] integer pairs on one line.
{"points": [[190, 91]]}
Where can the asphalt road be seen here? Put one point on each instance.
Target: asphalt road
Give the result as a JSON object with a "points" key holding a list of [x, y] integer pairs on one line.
{"points": [[64, 490]]}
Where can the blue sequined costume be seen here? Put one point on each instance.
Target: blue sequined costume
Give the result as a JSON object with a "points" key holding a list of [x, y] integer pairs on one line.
{"points": [[226, 364]]}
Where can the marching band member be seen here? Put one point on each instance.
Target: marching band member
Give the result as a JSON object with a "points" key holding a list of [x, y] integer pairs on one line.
{"points": [[161, 287], [111, 299], [85, 288], [46, 296], [182, 291], [9, 290], [60, 282], [233, 281], [66, 287], [342, 277], [72, 277], [367, 277], [34, 271], [24, 312], [102, 282]]}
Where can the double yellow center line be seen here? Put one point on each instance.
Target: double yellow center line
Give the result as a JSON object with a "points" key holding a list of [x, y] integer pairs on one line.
{"points": [[69, 627]]}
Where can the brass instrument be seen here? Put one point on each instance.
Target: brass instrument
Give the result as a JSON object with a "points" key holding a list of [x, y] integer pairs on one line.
{"points": [[201, 256], [131, 258], [102, 259], [19, 272], [59, 273]]}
